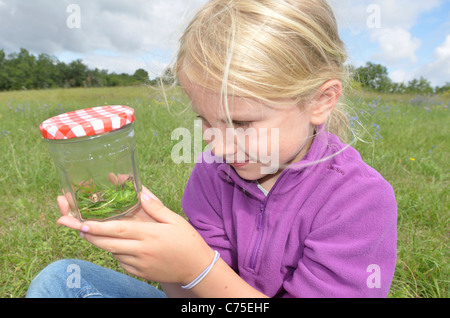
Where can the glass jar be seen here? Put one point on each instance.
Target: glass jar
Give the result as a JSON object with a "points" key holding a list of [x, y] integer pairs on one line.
{"points": [[94, 152]]}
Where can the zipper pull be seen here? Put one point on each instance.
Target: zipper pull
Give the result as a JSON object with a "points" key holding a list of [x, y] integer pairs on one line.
{"points": [[261, 216]]}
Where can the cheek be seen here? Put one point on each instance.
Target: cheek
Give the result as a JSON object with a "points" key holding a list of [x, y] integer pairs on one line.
{"points": [[262, 144], [259, 142], [296, 142], [251, 141], [210, 135]]}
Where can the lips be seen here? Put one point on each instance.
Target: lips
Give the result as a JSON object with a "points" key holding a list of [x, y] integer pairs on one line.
{"points": [[239, 165]]}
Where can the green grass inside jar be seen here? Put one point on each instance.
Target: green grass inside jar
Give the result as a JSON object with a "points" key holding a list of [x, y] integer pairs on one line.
{"points": [[102, 202]]}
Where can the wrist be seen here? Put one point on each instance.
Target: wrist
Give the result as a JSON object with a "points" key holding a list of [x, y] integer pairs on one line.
{"points": [[203, 274]]}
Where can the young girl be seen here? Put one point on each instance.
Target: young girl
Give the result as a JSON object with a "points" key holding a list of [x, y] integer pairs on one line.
{"points": [[322, 223]]}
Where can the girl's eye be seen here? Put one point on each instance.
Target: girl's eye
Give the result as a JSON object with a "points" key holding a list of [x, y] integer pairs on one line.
{"points": [[242, 124]]}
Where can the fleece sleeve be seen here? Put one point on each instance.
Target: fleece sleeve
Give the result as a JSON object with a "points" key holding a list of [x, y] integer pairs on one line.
{"points": [[351, 249], [202, 205]]}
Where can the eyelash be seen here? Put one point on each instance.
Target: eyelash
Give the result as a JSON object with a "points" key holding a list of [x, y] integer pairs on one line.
{"points": [[240, 124]]}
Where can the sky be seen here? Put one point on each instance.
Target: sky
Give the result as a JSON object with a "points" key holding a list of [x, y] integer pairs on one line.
{"points": [[410, 37]]}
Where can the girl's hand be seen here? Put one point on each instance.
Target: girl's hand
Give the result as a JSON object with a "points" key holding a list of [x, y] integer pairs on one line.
{"points": [[73, 223], [155, 244]]}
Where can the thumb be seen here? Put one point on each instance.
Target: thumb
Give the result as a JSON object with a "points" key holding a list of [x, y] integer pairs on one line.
{"points": [[149, 193], [155, 209]]}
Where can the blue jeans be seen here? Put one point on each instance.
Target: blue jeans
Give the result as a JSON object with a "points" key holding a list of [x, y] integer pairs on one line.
{"points": [[80, 279]]}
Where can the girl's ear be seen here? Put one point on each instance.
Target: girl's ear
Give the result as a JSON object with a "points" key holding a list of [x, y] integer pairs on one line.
{"points": [[324, 102]]}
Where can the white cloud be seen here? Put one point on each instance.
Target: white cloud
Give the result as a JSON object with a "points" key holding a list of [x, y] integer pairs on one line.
{"points": [[118, 25], [397, 42], [122, 35], [400, 76], [354, 15], [438, 71], [397, 45], [124, 32], [403, 13]]}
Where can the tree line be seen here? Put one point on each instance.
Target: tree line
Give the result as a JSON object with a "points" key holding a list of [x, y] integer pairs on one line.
{"points": [[23, 70], [375, 77]]}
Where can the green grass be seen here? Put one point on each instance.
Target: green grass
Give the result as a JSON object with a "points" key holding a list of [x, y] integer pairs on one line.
{"points": [[406, 140], [413, 156]]}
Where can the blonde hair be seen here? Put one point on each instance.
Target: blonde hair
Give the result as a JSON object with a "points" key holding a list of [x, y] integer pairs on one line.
{"points": [[267, 50]]}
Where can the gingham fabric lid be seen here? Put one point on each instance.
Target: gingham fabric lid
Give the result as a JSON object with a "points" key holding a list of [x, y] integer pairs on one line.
{"points": [[87, 122]]}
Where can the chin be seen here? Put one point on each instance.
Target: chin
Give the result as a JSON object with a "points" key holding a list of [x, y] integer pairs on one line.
{"points": [[251, 172]]}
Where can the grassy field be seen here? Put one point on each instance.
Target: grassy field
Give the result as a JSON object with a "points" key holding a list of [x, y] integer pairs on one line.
{"points": [[406, 138]]}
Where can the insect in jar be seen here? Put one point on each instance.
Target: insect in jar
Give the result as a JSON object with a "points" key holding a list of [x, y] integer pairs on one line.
{"points": [[96, 197]]}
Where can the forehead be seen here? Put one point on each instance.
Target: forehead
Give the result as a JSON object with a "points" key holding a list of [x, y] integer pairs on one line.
{"points": [[208, 102], [209, 105]]}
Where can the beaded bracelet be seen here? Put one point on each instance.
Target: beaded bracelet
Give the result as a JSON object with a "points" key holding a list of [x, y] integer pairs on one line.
{"points": [[204, 273]]}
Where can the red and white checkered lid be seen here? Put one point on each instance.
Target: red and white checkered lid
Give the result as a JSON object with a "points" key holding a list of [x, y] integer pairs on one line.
{"points": [[87, 122]]}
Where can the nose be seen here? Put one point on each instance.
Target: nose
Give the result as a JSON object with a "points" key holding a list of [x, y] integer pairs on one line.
{"points": [[222, 142]]}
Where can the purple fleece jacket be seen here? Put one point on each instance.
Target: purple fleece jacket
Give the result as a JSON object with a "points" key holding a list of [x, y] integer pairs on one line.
{"points": [[324, 230]]}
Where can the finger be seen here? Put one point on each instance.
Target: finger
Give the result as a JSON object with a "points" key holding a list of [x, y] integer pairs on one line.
{"points": [[112, 244], [139, 214], [113, 178], [149, 193], [121, 229], [70, 222], [128, 267], [63, 205], [123, 177], [119, 179], [126, 259], [156, 210]]}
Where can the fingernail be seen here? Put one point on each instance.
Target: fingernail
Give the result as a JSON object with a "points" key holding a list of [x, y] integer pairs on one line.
{"points": [[146, 197], [85, 229]]}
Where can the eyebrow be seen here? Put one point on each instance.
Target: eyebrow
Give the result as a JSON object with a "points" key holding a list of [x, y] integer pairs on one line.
{"points": [[234, 122], [235, 118]]}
